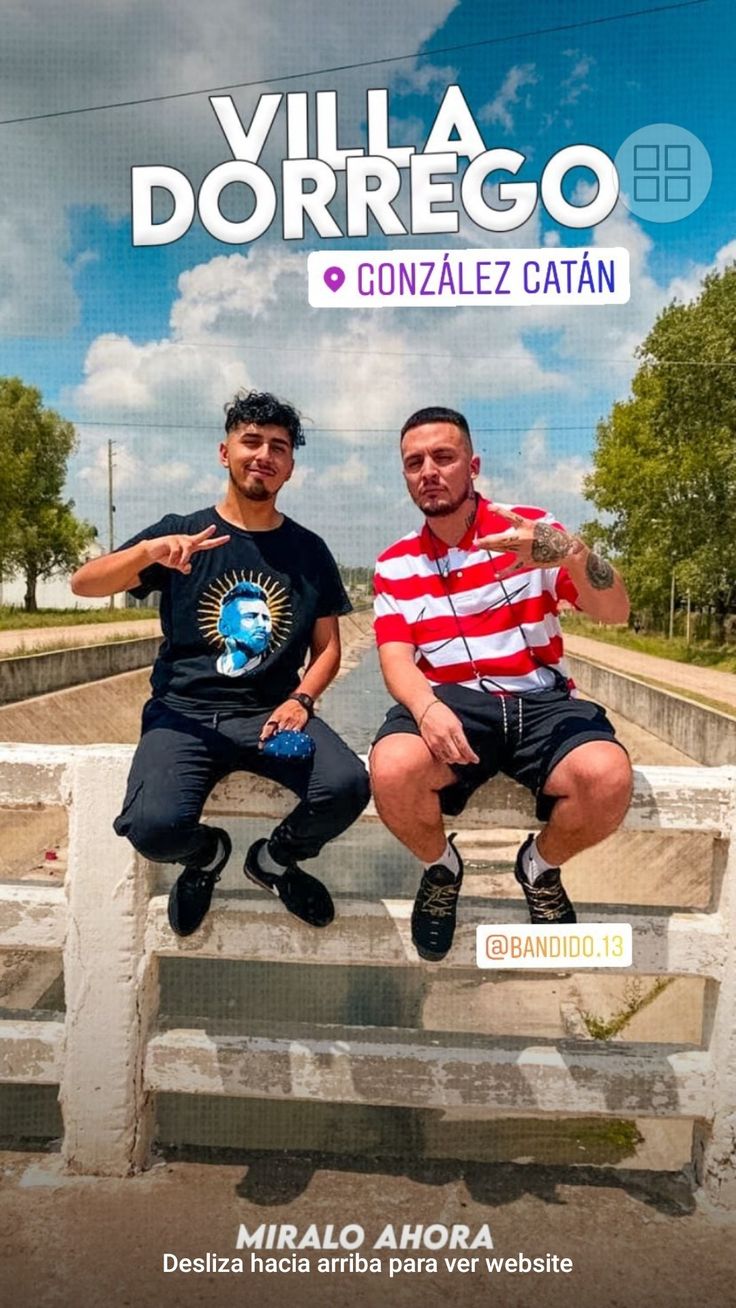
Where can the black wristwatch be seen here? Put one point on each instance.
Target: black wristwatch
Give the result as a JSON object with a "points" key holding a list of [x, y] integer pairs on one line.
{"points": [[305, 700]]}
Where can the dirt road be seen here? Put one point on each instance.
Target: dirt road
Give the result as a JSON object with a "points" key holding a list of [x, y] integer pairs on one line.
{"points": [[90, 1242], [32, 639], [683, 677]]}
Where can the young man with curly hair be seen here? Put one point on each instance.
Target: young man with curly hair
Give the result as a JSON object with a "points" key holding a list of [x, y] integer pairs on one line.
{"points": [[248, 598]]}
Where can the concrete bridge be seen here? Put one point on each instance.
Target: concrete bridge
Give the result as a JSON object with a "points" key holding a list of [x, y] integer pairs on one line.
{"points": [[529, 1057]]}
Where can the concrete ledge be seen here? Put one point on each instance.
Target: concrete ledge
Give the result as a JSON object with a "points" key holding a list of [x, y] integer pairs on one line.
{"points": [[32, 917], [701, 733], [413, 1069], [366, 933], [39, 674], [665, 798], [31, 1052]]}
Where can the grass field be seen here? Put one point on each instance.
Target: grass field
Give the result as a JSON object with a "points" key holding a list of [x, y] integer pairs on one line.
{"points": [[64, 642], [14, 619]]}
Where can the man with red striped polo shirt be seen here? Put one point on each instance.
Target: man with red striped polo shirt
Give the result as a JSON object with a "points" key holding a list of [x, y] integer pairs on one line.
{"points": [[471, 650]]}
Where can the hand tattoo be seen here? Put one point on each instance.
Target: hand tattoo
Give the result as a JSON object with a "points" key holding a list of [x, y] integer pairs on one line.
{"points": [[549, 544], [599, 572]]}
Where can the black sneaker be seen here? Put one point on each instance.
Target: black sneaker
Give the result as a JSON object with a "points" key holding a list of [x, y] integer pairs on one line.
{"points": [[546, 899], [302, 894], [435, 907], [191, 894]]}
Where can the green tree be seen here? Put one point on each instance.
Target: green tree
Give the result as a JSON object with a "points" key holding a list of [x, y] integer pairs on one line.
{"points": [[665, 459], [39, 533]]}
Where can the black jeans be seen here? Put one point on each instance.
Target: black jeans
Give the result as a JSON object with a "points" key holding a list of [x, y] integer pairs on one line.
{"points": [[181, 757]]}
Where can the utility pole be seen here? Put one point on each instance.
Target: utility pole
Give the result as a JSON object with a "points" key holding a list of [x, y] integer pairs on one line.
{"points": [[672, 607], [110, 509]]}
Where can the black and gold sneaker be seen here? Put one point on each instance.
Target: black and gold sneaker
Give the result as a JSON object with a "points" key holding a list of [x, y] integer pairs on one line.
{"points": [[546, 899], [435, 908]]}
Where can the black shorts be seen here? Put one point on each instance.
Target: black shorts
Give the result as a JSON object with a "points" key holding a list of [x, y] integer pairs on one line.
{"points": [[524, 736]]}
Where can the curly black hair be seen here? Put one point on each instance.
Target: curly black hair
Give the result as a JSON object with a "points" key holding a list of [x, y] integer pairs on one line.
{"points": [[262, 408]]}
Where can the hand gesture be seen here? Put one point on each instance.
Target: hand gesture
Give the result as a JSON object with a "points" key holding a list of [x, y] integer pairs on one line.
{"points": [[289, 716], [176, 551], [442, 732], [536, 544]]}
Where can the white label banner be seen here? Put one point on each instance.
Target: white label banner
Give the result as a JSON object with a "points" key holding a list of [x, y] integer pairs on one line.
{"points": [[377, 279]]}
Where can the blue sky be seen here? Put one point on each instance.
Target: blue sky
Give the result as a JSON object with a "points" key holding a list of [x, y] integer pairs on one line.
{"points": [[143, 346]]}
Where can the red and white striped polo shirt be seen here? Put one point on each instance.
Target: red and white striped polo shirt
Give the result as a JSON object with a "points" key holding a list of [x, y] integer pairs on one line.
{"points": [[448, 603]]}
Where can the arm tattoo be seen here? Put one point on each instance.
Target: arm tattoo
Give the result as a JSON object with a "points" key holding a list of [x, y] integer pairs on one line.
{"points": [[599, 572], [549, 545]]}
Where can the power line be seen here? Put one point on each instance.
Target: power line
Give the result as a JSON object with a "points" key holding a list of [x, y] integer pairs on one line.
{"points": [[278, 347], [453, 356], [313, 431], [363, 63]]}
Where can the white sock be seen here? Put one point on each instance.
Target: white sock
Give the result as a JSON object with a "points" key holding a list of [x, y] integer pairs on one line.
{"points": [[448, 858], [217, 856], [532, 863], [268, 864]]}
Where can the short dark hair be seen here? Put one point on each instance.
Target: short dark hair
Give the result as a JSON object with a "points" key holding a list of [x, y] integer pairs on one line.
{"points": [[436, 413], [244, 590], [247, 590], [261, 408]]}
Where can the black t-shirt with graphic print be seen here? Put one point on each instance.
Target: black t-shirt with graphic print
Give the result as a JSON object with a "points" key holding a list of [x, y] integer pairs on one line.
{"points": [[237, 628]]}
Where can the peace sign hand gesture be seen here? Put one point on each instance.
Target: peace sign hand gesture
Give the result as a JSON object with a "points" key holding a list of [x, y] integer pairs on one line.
{"points": [[536, 544], [176, 551]]}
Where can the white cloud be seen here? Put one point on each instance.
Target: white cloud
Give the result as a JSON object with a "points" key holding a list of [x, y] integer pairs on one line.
{"points": [[301, 473], [91, 54], [353, 472], [356, 375], [36, 292], [571, 88], [226, 286], [175, 376], [127, 468], [174, 472], [541, 476], [239, 321], [609, 335], [725, 256], [426, 79], [407, 131], [211, 485], [84, 258], [498, 110], [574, 85]]}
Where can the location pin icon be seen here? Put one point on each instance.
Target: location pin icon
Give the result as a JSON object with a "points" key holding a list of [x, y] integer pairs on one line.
{"points": [[334, 278]]}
